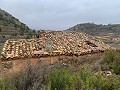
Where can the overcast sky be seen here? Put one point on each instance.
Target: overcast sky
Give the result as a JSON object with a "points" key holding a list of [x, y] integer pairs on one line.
{"points": [[62, 14]]}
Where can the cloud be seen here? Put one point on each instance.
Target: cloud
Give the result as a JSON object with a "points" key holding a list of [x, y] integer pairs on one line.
{"points": [[62, 14]]}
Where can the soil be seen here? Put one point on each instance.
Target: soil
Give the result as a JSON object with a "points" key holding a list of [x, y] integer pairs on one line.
{"points": [[16, 66]]}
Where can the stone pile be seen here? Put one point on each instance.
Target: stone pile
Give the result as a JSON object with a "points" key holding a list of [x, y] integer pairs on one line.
{"points": [[54, 43]]}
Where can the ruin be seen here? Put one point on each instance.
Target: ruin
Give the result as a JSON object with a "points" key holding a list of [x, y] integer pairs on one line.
{"points": [[54, 43]]}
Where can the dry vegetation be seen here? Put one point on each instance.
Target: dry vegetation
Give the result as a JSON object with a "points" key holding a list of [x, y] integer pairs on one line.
{"points": [[83, 74]]}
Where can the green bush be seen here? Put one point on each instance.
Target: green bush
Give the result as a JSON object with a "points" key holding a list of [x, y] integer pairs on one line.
{"points": [[112, 59], [60, 79], [116, 64], [91, 81], [6, 84], [84, 79], [109, 56]]}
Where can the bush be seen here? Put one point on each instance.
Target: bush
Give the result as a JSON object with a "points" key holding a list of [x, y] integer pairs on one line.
{"points": [[109, 56], [116, 64], [83, 79], [6, 84], [60, 79], [46, 78], [90, 81], [32, 78], [112, 59]]}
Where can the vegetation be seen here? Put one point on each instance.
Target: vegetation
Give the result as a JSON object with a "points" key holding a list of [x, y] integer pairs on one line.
{"points": [[64, 77], [60, 79], [13, 28], [112, 61], [94, 29], [29, 35], [12, 22]]}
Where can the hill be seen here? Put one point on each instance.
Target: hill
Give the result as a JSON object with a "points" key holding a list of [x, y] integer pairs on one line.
{"points": [[10, 27], [109, 34], [94, 29]]}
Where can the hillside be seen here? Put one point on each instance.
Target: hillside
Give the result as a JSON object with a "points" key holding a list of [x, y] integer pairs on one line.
{"points": [[94, 29], [10, 27]]}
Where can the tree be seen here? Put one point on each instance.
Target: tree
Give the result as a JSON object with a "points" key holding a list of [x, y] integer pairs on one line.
{"points": [[1, 16], [33, 31], [29, 35], [14, 34]]}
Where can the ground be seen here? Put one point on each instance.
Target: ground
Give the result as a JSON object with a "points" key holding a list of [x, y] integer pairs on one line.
{"points": [[9, 67]]}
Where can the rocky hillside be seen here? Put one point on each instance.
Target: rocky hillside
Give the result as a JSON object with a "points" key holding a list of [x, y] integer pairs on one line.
{"points": [[94, 29], [54, 43]]}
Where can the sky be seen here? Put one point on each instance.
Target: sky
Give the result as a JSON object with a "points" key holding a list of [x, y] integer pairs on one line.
{"points": [[62, 14]]}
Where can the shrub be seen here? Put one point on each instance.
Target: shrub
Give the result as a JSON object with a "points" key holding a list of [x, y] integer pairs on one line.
{"points": [[109, 56], [116, 64], [84, 79], [112, 59], [46, 78], [60, 79], [6, 84], [87, 80], [32, 78]]}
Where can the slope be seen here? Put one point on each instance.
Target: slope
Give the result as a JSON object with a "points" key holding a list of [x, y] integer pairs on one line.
{"points": [[10, 27], [94, 29]]}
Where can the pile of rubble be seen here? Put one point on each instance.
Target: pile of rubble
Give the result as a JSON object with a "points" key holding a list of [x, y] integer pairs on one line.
{"points": [[54, 43]]}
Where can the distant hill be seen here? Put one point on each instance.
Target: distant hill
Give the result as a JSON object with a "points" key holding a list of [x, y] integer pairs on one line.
{"points": [[94, 29], [11, 27], [10, 23]]}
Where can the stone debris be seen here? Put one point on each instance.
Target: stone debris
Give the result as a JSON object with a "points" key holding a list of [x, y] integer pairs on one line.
{"points": [[106, 73], [54, 43]]}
